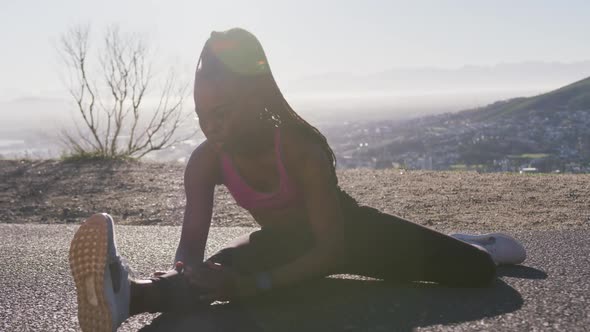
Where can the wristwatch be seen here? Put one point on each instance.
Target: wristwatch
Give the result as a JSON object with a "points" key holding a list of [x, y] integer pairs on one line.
{"points": [[263, 281]]}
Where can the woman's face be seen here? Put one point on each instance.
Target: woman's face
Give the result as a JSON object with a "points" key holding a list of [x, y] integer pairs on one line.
{"points": [[227, 115]]}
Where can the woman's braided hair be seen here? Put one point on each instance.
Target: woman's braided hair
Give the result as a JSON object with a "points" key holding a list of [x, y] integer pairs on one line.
{"points": [[236, 54]]}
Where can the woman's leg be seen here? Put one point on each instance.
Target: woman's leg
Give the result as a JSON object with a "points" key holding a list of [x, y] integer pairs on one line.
{"points": [[264, 249], [380, 245], [248, 254], [389, 247], [170, 292]]}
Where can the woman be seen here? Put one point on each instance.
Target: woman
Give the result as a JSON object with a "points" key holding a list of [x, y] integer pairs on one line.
{"points": [[281, 169]]}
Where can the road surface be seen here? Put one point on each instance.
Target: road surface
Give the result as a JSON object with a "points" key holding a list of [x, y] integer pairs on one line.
{"points": [[551, 292]]}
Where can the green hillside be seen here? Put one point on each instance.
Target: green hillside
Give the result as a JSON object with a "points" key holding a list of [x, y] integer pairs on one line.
{"points": [[572, 97]]}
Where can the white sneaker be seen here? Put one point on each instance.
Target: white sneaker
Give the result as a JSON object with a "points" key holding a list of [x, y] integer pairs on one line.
{"points": [[101, 278], [503, 248]]}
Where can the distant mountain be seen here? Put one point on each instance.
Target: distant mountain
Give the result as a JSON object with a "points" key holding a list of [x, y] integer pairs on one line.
{"points": [[505, 76], [403, 93]]}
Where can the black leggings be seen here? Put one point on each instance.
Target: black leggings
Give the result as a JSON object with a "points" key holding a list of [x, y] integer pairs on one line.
{"points": [[379, 245]]}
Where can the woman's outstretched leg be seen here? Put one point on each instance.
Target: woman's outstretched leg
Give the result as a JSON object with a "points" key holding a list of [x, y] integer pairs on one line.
{"points": [[379, 245], [389, 247]]}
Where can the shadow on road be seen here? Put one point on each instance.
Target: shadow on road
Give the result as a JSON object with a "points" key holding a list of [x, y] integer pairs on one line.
{"points": [[349, 305], [521, 271]]}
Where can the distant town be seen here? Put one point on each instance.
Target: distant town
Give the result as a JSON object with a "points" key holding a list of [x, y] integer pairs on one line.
{"points": [[545, 133], [451, 142]]}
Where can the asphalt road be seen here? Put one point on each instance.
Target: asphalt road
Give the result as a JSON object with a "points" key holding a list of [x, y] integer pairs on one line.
{"points": [[551, 292]]}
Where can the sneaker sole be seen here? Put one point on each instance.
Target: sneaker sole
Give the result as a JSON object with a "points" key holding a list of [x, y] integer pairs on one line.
{"points": [[87, 257]]}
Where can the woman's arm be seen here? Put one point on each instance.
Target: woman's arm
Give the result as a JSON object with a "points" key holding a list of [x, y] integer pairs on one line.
{"points": [[200, 177]]}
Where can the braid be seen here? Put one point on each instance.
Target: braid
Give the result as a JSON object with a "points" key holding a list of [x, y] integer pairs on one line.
{"points": [[246, 59], [287, 117]]}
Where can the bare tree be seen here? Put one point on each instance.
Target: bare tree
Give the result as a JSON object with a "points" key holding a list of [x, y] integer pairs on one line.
{"points": [[116, 122]]}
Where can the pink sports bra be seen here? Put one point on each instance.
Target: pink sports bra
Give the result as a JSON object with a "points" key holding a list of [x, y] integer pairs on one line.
{"points": [[286, 196]]}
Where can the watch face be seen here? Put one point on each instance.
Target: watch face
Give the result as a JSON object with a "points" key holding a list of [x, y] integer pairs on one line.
{"points": [[263, 281]]}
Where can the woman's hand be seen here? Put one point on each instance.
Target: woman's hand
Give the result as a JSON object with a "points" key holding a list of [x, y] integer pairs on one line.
{"points": [[219, 282], [178, 266], [161, 273]]}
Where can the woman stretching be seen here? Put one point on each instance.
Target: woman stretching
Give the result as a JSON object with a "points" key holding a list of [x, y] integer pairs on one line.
{"points": [[281, 169]]}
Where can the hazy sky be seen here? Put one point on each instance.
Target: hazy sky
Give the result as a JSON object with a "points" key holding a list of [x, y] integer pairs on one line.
{"points": [[303, 37]]}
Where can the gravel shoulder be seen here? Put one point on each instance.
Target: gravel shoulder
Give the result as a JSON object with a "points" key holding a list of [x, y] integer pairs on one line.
{"points": [[142, 193]]}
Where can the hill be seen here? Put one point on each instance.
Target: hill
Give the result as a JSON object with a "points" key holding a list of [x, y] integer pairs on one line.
{"points": [[152, 194], [572, 97], [548, 131]]}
